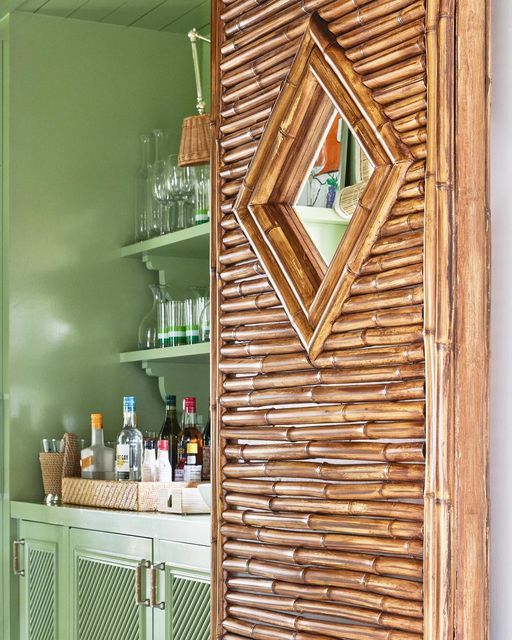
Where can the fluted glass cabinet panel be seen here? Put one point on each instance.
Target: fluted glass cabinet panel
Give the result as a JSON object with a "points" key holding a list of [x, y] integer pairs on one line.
{"points": [[104, 586], [44, 583]]}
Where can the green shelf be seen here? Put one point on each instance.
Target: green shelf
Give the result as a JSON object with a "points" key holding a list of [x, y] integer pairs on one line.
{"points": [[187, 354], [193, 242]]}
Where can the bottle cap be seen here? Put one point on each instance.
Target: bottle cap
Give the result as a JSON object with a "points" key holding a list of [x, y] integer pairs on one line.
{"points": [[96, 420], [149, 444], [189, 404], [170, 400], [163, 445], [129, 403]]}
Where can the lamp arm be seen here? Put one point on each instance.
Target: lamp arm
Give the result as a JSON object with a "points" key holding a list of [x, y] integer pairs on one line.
{"points": [[194, 36]]}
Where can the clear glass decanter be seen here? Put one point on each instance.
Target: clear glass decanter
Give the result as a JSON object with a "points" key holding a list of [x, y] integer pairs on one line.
{"points": [[153, 326]]}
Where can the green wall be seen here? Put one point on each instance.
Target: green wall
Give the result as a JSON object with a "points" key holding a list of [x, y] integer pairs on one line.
{"points": [[80, 93]]}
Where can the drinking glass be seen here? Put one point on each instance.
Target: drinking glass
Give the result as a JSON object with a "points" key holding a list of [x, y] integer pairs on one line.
{"points": [[191, 321], [158, 180], [176, 333], [143, 198], [182, 188], [204, 324], [201, 194]]}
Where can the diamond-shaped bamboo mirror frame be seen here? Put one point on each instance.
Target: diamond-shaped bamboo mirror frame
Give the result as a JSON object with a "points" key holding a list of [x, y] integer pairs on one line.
{"points": [[321, 80]]}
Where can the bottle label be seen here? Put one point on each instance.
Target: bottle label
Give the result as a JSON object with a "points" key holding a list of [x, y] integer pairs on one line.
{"points": [[192, 473], [179, 475], [87, 462], [192, 447], [123, 458]]}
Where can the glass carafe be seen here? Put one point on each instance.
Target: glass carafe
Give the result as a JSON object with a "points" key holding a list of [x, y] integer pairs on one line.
{"points": [[143, 196], [160, 219], [153, 327]]}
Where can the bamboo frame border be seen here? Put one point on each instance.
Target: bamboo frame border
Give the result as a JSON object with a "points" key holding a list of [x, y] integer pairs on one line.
{"points": [[313, 299], [457, 323]]}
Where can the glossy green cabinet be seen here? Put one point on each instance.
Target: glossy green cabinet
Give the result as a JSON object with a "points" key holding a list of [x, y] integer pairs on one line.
{"points": [[84, 584], [182, 596], [108, 586], [40, 560]]}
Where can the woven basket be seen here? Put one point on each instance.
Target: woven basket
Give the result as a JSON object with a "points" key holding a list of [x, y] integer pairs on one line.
{"points": [[51, 470], [110, 494], [195, 141], [55, 466]]}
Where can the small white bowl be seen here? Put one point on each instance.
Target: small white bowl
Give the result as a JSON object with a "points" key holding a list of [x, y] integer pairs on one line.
{"points": [[206, 492]]}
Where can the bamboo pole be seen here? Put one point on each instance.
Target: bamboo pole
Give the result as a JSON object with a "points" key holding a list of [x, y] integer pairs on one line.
{"points": [[370, 491], [299, 628], [324, 376], [236, 123], [377, 452], [399, 242], [376, 47], [384, 300], [254, 317], [350, 525], [348, 359], [302, 605], [391, 605], [392, 546], [240, 272], [386, 280], [346, 412], [379, 565], [327, 471], [396, 587], [408, 390], [355, 431], [393, 260], [402, 316], [390, 56], [396, 510]]}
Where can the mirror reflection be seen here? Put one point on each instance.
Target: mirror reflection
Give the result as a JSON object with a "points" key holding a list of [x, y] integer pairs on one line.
{"points": [[334, 186]]}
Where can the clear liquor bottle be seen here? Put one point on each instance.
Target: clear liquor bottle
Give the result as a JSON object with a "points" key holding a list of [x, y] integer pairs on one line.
{"points": [[171, 429], [97, 461], [129, 444]]}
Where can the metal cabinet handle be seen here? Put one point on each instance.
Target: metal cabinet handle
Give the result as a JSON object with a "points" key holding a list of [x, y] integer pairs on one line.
{"points": [[153, 597], [16, 557], [139, 600]]}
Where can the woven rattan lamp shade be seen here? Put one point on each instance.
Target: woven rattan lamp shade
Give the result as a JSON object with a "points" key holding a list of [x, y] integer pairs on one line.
{"points": [[195, 141]]}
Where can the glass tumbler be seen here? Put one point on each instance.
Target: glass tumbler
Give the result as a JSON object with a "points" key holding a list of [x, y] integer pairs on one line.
{"points": [[176, 333], [191, 321]]}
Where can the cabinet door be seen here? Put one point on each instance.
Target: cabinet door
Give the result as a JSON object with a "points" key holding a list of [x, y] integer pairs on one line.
{"points": [[43, 581], [182, 610], [104, 586]]}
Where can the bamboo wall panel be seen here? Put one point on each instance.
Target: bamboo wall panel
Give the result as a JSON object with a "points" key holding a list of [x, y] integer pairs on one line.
{"points": [[322, 392]]}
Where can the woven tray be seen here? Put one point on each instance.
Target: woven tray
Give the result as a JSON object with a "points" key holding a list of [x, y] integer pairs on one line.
{"points": [[107, 494]]}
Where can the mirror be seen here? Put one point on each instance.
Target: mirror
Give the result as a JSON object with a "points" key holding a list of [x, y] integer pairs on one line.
{"points": [[333, 187]]}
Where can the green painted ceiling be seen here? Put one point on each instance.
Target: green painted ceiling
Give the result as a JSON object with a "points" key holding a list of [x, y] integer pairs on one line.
{"points": [[161, 15]]}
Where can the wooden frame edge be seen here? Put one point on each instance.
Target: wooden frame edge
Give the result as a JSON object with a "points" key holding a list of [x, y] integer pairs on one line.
{"points": [[457, 322]]}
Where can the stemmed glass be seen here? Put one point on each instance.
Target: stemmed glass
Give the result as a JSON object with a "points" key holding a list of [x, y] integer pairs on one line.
{"points": [[158, 175], [181, 185]]}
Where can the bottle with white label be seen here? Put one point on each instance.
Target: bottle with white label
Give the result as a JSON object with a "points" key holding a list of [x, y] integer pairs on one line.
{"points": [[149, 464], [97, 461], [163, 466], [129, 444]]}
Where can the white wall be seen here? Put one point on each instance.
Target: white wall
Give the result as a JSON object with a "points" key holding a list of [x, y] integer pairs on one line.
{"points": [[501, 325]]}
